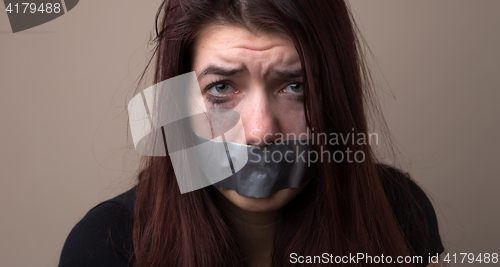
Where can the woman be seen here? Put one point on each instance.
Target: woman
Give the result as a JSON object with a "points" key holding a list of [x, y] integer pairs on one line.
{"points": [[285, 67]]}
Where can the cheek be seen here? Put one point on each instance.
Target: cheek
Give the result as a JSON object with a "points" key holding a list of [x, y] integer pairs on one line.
{"points": [[286, 113], [291, 117]]}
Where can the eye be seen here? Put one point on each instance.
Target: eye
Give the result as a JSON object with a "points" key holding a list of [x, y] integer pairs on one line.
{"points": [[295, 88], [220, 89]]}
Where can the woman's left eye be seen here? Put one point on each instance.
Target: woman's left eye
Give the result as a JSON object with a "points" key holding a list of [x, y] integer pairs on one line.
{"points": [[295, 88]]}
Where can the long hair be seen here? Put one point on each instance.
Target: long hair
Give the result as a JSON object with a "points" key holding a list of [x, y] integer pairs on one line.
{"points": [[342, 211]]}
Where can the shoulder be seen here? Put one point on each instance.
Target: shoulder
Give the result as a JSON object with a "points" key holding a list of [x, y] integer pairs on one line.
{"points": [[103, 237], [413, 210]]}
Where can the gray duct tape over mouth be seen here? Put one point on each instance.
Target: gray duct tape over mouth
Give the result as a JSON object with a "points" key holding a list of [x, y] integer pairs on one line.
{"points": [[206, 146], [271, 168]]}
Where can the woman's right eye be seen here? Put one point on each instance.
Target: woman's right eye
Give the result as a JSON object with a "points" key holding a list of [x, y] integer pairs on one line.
{"points": [[220, 89]]}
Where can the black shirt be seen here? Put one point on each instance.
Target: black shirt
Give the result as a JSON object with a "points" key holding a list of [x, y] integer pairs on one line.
{"points": [[104, 236]]}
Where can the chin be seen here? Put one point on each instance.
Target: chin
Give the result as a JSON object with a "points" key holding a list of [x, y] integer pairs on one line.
{"points": [[272, 203]]}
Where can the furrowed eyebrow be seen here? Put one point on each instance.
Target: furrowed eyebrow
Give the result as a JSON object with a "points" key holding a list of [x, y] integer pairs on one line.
{"points": [[220, 71], [287, 74], [291, 74]]}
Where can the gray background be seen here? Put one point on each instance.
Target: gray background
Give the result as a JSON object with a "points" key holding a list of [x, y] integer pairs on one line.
{"points": [[65, 85]]}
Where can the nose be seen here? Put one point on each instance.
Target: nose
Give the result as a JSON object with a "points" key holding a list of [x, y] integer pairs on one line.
{"points": [[259, 120]]}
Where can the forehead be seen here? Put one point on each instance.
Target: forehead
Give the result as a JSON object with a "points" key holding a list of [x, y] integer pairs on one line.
{"points": [[240, 47]]}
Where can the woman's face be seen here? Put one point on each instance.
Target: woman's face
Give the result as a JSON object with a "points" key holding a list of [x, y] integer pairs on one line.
{"points": [[259, 76]]}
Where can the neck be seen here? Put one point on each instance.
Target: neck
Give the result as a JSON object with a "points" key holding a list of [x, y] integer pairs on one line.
{"points": [[254, 231]]}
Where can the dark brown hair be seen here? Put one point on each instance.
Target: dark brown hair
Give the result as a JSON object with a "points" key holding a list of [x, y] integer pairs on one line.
{"points": [[343, 211]]}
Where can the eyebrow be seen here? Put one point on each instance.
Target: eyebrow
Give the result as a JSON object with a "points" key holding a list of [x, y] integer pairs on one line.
{"points": [[287, 74], [291, 74], [220, 71]]}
